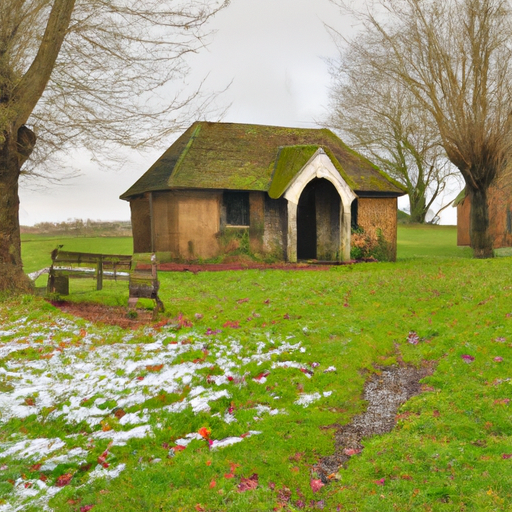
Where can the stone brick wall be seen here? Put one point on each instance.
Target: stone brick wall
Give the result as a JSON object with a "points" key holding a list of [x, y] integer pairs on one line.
{"points": [[141, 223], [276, 227], [379, 214]]}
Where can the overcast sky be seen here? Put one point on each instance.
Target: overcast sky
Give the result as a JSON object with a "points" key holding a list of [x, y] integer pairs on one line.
{"points": [[273, 51]]}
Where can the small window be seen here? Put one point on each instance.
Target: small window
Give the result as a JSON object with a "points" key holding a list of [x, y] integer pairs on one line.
{"points": [[237, 208], [353, 214]]}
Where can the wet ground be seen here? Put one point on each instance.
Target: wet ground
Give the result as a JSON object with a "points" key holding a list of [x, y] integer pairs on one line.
{"points": [[385, 393]]}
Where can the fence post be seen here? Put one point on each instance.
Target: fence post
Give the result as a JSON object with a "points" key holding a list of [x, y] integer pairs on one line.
{"points": [[99, 274]]}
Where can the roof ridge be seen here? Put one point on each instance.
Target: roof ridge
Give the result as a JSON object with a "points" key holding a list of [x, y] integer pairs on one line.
{"points": [[184, 153]]}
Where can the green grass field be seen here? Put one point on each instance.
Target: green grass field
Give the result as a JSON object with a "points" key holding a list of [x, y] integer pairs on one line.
{"points": [[256, 344]]}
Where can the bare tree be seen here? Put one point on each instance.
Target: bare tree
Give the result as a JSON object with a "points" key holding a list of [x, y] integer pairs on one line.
{"points": [[91, 73], [379, 117], [455, 57]]}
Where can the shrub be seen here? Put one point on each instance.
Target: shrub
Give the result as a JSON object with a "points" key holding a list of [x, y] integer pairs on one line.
{"points": [[369, 246]]}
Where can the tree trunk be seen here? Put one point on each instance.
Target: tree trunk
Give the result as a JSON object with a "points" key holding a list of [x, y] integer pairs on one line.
{"points": [[12, 277], [418, 207], [481, 240]]}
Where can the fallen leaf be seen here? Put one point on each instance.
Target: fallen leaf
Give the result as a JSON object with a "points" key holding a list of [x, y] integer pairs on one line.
{"points": [[86, 508], [35, 467], [199, 508], [30, 401], [413, 338], [380, 482], [316, 484], [63, 480], [204, 432], [154, 367], [248, 484], [213, 483], [241, 301], [467, 358], [498, 359], [507, 456], [351, 451], [178, 448], [229, 475], [208, 462]]}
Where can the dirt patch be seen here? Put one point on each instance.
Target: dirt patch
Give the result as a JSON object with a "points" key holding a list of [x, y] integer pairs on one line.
{"points": [[385, 393], [110, 315]]}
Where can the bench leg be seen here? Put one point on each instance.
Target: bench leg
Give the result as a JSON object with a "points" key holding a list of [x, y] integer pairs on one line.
{"points": [[132, 302]]}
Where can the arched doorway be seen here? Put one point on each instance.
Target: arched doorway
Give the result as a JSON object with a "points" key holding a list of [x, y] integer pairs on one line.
{"points": [[318, 221]]}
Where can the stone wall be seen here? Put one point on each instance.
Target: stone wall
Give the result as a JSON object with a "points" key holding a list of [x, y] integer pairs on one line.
{"points": [[276, 227], [141, 223], [376, 214]]}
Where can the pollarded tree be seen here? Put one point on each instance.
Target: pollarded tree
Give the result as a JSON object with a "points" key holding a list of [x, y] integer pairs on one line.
{"points": [[91, 73], [382, 119], [455, 57]]}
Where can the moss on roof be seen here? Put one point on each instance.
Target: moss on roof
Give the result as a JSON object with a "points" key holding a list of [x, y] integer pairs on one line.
{"points": [[290, 160], [248, 157]]}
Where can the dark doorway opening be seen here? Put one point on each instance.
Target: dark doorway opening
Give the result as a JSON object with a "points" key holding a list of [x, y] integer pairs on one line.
{"points": [[306, 223], [318, 222]]}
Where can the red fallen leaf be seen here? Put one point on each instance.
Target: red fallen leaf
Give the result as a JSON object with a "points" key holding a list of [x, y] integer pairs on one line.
{"points": [[247, 434], [63, 480], [241, 301], [11, 481], [140, 377], [271, 486], [406, 477], [86, 508], [178, 448], [229, 475], [154, 367], [380, 482], [233, 466], [230, 378], [213, 483], [267, 301], [507, 456], [28, 485], [286, 316], [316, 484], [119, 413], [498, 359], [83, 333], [35, 467], [284, 495], [467, 358], [351, 451], [295, 469], [204, 432], [248, 484], [43, 477], [233, 325], [262, 375], [208, 462], [199, 508], [30, 401]]}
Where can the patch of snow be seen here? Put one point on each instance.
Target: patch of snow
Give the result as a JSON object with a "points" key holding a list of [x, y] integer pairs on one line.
{"points": [[31, 448], [306, 400], [121, 438]]}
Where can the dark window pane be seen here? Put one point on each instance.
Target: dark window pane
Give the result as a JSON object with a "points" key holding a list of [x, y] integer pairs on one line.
{"points": [[353, 214], [237, 208]]}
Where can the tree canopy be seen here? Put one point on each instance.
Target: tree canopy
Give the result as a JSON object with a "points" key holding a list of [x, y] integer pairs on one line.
{"points": [[455, 58]]}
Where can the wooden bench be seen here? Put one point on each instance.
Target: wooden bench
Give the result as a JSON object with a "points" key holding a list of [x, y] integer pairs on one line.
{"points": [[144, 282], [139, 270], [77, 265]]}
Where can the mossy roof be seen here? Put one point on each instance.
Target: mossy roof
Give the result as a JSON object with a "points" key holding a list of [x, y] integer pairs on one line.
{"points": [[254, 157]]}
